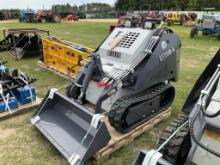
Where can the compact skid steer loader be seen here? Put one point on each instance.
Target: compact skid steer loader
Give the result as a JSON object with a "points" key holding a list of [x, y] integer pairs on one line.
{"points": [[127, 80], [194, 137]]}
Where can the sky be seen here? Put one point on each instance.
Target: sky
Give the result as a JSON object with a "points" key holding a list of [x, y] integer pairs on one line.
{"points": [[38, 4]]}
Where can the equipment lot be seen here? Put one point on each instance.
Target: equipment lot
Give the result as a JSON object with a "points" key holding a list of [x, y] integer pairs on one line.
{"points": [[21, 144]]}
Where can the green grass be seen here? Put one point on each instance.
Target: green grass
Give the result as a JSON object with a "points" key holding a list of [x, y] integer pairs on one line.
{"points": [[20, 143]]}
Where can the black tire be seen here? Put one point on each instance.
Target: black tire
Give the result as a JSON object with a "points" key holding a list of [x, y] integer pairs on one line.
{"points": [[204, 33], [194, 16], [177, 149], [182, 22], [68, 90], [169, 23], [182, 19], [193, 32], [218, 36]]}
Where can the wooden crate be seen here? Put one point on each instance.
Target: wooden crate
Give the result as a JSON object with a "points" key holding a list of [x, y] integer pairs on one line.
{"points": [[53, 70], [119, 140], [21, 109]]}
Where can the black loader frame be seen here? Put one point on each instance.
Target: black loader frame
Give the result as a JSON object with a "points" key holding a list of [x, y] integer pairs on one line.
{"points": [[24, 42]]}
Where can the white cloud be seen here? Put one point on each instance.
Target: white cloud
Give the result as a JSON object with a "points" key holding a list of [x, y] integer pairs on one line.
{"points": [[38, 4]]}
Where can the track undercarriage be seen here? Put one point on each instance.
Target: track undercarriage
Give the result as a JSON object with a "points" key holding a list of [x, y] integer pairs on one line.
{"points": [[129, 112]]}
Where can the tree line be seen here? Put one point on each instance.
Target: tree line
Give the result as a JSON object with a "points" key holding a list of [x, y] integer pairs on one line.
{"points": [[9, 14], [126, 5], [88, 8]]}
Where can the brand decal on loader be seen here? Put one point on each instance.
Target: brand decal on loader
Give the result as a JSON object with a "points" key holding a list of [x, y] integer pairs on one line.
{"points": [[164, 45], [166, 54], [114, 54]]}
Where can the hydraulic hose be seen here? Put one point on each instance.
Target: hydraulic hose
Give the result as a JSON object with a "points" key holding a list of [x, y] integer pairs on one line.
{"points": [[210, 115], [108, 91], [161, 31], [196, 139], [88, 75]]}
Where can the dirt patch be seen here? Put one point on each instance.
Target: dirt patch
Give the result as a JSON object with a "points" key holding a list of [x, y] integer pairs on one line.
{"points": [[6, 133]]}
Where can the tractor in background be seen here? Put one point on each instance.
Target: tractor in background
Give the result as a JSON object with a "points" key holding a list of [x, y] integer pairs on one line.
{"points": [[2, 16], [6, 14], [26, 15], [71, 17], [137, 20], [210, 25], [155, 16], [174, 17], [42, 16]]}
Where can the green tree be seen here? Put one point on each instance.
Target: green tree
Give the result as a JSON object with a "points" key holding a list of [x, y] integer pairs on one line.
{"points": [[122, 5], [125, 5], [192, 5]]}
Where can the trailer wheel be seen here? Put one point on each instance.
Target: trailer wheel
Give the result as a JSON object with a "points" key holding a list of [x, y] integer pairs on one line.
{"points": [[177, 149], [193, 32]]}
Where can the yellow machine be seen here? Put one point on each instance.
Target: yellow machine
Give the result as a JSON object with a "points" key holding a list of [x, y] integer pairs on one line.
{"points": [[173, 17], [64, 56], [186, 19]]}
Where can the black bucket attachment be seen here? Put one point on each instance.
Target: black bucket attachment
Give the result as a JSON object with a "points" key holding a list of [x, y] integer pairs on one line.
{"points": [[75, 131], [23, 42], [7, 43], [26, 46]]}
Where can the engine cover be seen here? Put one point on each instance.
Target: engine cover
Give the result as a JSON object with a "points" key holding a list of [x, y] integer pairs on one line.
{"points": [[129, 43]]}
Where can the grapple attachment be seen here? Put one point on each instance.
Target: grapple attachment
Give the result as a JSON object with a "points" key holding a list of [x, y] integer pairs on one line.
{"points": [[76, 132]]}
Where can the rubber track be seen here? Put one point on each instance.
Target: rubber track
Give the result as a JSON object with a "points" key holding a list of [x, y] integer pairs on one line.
{"points": [[171, 150], [120, 106]]}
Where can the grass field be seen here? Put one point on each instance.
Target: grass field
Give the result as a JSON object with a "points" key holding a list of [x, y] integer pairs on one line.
{"points": [[20, 143]]}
